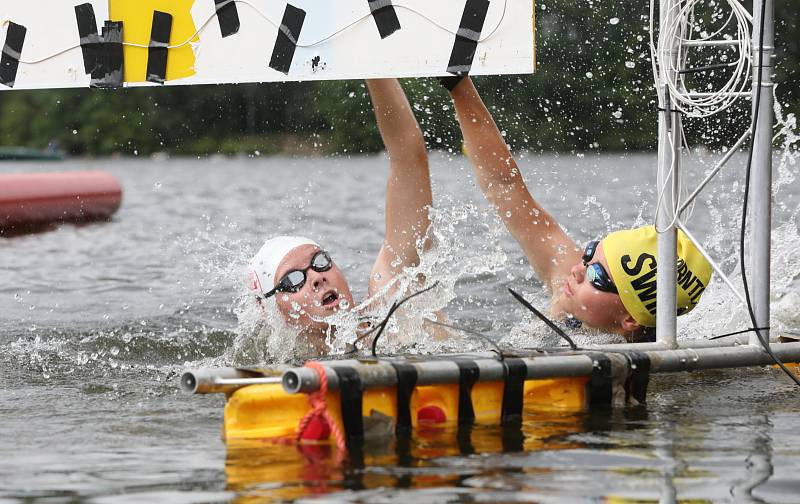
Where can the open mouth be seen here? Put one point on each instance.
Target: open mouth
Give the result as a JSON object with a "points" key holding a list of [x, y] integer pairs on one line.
{"points": [[329, 299]]}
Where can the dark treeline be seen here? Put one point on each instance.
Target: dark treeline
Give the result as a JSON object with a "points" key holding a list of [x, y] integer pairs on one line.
{"points": [[593, 90]]}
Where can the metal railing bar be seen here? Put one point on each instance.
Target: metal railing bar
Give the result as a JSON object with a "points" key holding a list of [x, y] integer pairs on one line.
{"points": [[716, 169], [696, 94], [711, 261], [703, 43]]}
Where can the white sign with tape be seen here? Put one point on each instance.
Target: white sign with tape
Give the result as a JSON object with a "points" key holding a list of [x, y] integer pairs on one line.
{"points": [[115, 43]]}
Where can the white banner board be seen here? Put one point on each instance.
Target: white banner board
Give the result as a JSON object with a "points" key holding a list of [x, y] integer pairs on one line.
{"points": [[114, 43]]}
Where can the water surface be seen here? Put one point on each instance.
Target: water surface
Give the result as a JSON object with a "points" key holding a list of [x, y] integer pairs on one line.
{"points": [[97, 321]]}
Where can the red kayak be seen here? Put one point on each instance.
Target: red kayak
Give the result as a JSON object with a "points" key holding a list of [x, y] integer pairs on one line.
{"points": [[32, 201]]}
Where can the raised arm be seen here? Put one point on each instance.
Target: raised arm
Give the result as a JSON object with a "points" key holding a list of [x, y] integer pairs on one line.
{"points": [[549, 250], [408, 191]]}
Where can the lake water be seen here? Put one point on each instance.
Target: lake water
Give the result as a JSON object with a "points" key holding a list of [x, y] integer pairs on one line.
{"points": [[97, 322]]}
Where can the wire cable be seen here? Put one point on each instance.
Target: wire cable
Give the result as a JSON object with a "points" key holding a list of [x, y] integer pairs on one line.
{"points": [[382, 325], [304, 45], [756, 108], [670, 57], [543, 318]]}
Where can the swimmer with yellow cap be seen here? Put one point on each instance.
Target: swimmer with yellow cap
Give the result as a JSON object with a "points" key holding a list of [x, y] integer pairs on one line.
{"points": [[610, 284], [294, 271]]}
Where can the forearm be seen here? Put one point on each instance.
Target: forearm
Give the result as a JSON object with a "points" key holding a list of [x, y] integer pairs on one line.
{"points": [[408, 191], [399, 130], [545, 244], [486, 147]]}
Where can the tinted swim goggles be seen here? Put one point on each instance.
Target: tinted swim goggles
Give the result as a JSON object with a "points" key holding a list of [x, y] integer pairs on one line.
{"points": [[294, 280], [596, 274]]}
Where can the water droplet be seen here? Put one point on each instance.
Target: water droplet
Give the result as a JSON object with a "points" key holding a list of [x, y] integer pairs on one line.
{"points": [[114, 350], [630, 64], [589, 74], [74, 132], [613, 21]]}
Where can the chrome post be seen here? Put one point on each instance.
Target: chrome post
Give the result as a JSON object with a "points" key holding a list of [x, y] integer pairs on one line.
{"points": [[761, 174], [669, 144]]}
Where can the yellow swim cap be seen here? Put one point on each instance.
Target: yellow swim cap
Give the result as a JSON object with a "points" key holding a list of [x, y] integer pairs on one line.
{"points": [[631, 256]]}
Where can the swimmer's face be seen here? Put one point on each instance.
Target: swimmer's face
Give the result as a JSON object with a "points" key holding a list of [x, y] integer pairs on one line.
{"points": [[323, 293], [595, 308]]}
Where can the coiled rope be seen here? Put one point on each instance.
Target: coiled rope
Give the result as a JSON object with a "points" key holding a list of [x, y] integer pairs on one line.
{"points": [[319, 409]]}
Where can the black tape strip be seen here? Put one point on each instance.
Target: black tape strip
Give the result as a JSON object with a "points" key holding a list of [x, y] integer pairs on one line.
{"points": [[286, 43], [516, 372], [464, 439], [467, 37], [406, 381], [109, 72], [385, 17], [12, 52], [89, 38], [228, 17], [469, 373], [600, 386], [159, 47], [352, 393], [639, 377]]}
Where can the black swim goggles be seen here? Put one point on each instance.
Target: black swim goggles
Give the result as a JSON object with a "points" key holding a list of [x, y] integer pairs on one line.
{"points": [[294, 280], [596, 274]]}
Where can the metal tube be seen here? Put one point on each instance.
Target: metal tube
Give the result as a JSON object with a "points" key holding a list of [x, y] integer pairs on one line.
{"points": [[669, 141], [381, 373], [221, 380], [761, 178], [713, 264], [666, 277], [702, 43], [716, 170], [551, 366]]}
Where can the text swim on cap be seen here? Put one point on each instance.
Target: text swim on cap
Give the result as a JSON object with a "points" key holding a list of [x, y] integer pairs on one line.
{"points": [[632, 260], [264, 265]]}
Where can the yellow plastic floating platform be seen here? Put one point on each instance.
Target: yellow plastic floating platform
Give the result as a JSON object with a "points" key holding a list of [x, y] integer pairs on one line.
{"points": [[266, 411]]}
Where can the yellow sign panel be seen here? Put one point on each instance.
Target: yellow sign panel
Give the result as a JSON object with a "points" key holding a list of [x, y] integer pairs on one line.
{"points": [[137, 22]]}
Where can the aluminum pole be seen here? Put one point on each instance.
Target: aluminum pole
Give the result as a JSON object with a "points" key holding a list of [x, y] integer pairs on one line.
{"points": [[669, 142], [304, 380], [761, 175]]}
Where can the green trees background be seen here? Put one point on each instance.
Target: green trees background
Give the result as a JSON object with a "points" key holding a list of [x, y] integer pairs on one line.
{"points": [[593, 90]]}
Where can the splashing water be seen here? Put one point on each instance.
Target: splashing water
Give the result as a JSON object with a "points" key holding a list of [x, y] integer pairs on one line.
{"points": [[263, 334]]}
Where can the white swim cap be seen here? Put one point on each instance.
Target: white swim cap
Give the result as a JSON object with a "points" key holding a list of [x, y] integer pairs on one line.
{"points": [[264, 265]]}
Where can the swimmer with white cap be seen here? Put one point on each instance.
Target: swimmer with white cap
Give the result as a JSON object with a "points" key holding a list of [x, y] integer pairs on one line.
{"points": [[295, 271], [609, 285]]}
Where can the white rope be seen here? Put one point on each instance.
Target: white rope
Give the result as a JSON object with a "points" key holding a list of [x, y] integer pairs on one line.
{"points": [[300, 44], [676, 35], [683, 28]]}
